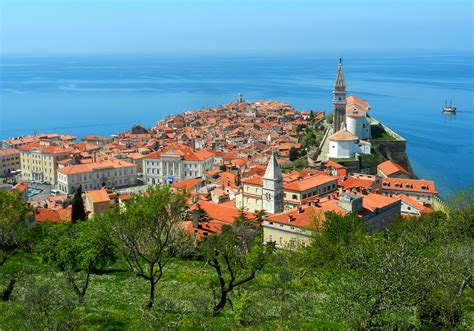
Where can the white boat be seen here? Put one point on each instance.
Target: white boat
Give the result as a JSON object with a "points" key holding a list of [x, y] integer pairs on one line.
{"points": [[449, 109]]}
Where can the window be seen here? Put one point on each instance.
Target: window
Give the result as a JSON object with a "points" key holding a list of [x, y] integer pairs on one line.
{"points": [[294, 197]]}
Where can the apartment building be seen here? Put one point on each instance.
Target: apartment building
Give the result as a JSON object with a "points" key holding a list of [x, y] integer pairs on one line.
{"points": [[41, 163], [9, 161], [294, 228], [176, 164], [107, 173]]}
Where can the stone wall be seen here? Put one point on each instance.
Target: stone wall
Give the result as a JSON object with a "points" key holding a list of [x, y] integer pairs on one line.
{"points": [[394, 151]]}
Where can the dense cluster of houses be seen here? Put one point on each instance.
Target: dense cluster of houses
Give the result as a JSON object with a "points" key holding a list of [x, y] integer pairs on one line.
{"points": [[229, 158]]}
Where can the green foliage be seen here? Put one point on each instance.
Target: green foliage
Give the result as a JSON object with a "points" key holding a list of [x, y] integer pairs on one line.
{"points": [[78, 249], [371, 161], [236, 255], [379, 133], [311, 139], [46, 307], [330, 118], [334, 243], [417, 274], [294, 154], [148, 233], [14, 232], [78, 210], [410, 270]]}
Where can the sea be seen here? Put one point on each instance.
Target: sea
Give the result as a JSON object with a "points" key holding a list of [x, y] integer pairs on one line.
{"points": [[107, 94]]}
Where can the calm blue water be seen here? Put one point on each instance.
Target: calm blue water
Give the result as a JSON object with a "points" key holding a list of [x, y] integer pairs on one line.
{"points": [[106, 95]]}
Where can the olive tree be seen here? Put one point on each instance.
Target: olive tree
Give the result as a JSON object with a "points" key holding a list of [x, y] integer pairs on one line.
{"points": [[13, 227], [148, 233], [236, 255], [14, 235], [78, 250]]}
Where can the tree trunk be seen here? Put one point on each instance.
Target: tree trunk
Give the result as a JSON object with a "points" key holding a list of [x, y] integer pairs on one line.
{"points": [[151, 300], [221, 304], [8, 291]]}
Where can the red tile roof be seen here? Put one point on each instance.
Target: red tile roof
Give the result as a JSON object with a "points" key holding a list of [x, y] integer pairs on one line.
{"points": [[53, 215], [390, 167], [373, 201], [343, 135], [309, 182], [421, 208], [255, 180], [222, 213], [353, 182], [9, 151], [88, 167], [96, 196], [187, 184], [409, 185]]}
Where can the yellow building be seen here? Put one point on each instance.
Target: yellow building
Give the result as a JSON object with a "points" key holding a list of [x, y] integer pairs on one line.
{"points": [[294, 228], [41, 163], [294, 193], [99, 201]]}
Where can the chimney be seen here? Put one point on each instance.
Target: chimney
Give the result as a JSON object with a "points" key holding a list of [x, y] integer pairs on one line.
{"points": [[300, 209], [94, 157]]}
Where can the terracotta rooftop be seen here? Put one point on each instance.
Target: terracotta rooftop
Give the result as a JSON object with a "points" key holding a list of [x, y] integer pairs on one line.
{"points": [[96, 196], [309, 182], [409, 185], [88, 167], [390, 167], [343, 135]]}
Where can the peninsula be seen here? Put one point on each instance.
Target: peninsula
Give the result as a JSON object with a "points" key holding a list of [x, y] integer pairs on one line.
{"points": [[251, 156]]}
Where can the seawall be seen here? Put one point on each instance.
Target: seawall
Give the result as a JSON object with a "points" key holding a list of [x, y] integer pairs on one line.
{"points": [[393, 150]]}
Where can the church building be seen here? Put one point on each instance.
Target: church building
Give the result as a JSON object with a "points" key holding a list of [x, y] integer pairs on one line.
{"points": [[351, 122]]}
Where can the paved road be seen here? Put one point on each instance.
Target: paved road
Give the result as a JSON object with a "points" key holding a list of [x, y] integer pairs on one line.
{"points": [[325, 149]]}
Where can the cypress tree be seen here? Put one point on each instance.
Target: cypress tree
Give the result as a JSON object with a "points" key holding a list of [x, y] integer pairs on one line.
{"points": [[78, 211], [293, 154]]}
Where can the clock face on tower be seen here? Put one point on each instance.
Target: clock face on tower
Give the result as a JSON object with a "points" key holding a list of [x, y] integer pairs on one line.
{"points": [[268, 196]]}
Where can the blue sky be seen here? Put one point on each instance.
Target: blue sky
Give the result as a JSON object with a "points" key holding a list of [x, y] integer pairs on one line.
{"points": [[215, 26]]}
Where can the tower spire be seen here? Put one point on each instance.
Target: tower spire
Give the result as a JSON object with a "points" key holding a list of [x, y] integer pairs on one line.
{"points": [[340, 76], [273, 170], [272, 192], [339, 98]]}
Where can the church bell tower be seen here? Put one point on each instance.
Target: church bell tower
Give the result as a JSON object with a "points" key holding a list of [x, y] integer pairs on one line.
{"points": [[339, 99], [272, 192]]}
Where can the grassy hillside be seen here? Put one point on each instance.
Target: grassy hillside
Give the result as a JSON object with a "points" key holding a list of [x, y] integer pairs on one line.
{"points": [[116, 299]]}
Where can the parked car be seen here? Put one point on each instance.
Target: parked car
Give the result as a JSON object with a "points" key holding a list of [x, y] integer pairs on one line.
{"points": [[55, 192]]}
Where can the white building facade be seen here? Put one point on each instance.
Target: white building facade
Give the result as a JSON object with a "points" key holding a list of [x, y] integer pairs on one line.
{"points": [[345, 145], [358, 124], [107, 173], [272, 187], [176, 164]]}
